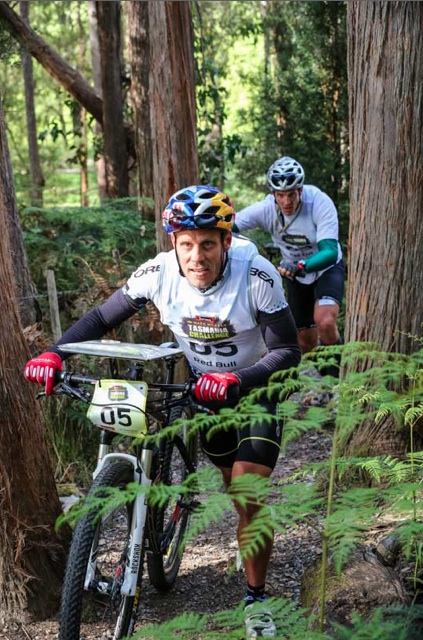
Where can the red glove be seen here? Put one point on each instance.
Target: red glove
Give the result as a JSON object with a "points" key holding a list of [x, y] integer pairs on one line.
{"points": [[42, 369], [214, 386]]}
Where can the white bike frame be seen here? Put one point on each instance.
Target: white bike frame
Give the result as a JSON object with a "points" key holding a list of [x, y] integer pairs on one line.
{"points": [[142, 471]]}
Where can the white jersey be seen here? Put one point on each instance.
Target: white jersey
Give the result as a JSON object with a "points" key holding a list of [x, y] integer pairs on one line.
{"points": [[297, 235], [217, 329]]}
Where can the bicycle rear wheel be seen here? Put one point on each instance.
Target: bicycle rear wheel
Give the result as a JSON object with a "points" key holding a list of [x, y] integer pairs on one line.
{"points": [[167, 523], [103, 542]]}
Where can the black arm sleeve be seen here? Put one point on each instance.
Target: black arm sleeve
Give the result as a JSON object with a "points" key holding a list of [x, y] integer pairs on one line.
{"points": [[97, 322], [280, 335]]}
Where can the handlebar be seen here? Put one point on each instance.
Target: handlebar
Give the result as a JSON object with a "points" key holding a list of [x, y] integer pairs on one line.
{"points": [[67, 383], [65, 377]]}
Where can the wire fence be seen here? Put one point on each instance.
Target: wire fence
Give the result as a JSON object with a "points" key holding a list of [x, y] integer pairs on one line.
{"points": [[59, 294]]}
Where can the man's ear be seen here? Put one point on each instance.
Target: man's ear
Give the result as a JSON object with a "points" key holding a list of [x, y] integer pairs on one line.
{"points": [[227, 241]]}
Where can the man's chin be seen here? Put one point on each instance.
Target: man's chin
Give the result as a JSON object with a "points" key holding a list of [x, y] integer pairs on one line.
{"points": [[199, 283]]}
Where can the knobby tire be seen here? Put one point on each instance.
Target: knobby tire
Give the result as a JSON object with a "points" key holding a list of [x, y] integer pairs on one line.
{"points": [[110, 534], [167, 523]]}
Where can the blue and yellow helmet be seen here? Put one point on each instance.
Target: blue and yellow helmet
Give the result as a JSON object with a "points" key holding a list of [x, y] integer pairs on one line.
{"points": [[198, 207]]}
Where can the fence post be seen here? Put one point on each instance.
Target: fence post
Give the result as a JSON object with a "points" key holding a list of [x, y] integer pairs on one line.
{"points": [[53, 304]]}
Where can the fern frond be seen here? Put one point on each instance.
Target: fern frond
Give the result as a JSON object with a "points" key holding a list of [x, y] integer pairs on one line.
{"points": [[387, 623], [180, 626], [211, 510], [296, 503], [413, 415]]}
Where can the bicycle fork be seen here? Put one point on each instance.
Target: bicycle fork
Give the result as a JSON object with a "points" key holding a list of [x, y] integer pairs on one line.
{"points": [[139, 515]]}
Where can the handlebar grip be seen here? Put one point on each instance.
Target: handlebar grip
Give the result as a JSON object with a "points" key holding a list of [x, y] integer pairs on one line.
{"points": [[59, 376], [72, 378], [233, 393]]}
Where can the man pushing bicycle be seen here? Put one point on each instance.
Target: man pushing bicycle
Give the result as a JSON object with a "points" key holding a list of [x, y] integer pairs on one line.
{"points": [[226, 308]]}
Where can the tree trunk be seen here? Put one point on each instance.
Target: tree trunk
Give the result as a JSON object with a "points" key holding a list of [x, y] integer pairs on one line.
{"points": [[116, 158], [96, 71], [32, 555], [139, 54], [35, 171], [385, 282], [80, 124], [29, 309], [63, 73], [172, 103]]}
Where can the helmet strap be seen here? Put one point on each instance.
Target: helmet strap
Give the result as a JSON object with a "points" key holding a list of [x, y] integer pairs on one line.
{"points": [[181, 273]]}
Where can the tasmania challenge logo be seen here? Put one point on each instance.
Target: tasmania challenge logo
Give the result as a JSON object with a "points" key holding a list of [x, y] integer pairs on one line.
{"points": [[117, 393], [207, 328]]}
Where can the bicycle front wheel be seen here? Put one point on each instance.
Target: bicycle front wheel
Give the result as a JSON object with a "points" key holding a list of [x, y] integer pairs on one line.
{"points": [[167, 523], [96, 565]]}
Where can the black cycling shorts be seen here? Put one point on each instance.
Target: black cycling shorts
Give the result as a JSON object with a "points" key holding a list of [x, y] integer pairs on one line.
{"points": [[258, 442], [301, 297]]}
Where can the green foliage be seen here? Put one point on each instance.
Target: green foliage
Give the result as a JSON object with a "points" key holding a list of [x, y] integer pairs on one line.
{"points": [[8, 45], [342, 513], [86, 246], [290, 621], [273, 83], [72, 439], [390, 623], [64, 26]]}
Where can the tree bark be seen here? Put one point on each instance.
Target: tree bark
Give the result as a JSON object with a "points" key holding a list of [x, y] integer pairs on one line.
{"points": [[139, 56], [29, 309], [35, 171], [385, 275], [116, 158], [96, 71], [33, 556], [172, 103]]}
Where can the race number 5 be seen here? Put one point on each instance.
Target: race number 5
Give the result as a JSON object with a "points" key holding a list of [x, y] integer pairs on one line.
{"points": [[116, 415]]}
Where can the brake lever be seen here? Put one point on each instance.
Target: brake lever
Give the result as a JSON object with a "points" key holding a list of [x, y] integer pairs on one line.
{"points": [[67, 390], [74, 392]]}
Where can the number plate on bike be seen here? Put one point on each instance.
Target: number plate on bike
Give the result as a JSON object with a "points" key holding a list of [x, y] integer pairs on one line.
{"points": [[119, 406]]}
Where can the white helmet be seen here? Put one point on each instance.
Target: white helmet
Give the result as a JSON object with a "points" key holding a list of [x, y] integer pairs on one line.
{"points": [[285, 174]]}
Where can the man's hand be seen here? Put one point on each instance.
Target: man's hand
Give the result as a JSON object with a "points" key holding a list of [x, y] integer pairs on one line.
{"points": [[289, 269], [214, 386], [42, 369]]}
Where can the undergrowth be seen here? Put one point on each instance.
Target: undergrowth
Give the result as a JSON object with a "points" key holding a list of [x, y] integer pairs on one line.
{"points": [[354, 492]]}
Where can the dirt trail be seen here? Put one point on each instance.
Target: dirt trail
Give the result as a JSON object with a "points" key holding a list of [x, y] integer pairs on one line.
{"points": [[207, 582]]}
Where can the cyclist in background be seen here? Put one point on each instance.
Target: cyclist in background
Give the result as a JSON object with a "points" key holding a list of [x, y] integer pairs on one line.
{"points": [[303, 223], [226, 308]]}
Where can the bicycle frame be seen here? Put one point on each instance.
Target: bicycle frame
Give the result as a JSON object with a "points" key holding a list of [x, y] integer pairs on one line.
{"points": [[141, 464], [142, 470]]}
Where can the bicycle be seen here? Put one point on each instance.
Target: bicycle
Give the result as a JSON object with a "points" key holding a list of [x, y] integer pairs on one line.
{"points": [[107, 553]]}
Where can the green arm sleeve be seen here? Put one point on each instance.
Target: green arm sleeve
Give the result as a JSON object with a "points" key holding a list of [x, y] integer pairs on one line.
{"points": [[325, 257]]}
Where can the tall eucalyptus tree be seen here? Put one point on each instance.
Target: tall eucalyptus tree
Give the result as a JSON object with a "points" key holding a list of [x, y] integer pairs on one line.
{"points": [[35, 170], [162, 38], [32, 554], [384, 302], [115, 149]]}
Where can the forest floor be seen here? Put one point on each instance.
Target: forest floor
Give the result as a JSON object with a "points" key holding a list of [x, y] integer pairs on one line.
{"points": [[207, 582]]}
